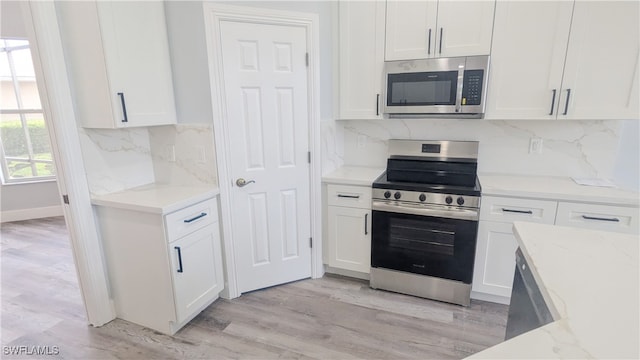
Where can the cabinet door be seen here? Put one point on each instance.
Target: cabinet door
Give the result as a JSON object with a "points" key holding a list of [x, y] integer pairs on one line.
{"points": [[495, 259], [349, 238], [196, 265], [411, 29], [136, 51], [601, 72], [527, 59], [361, 59], [464, 28]]}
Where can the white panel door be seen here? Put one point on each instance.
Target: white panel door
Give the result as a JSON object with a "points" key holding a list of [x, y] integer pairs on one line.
{"points": [[361, 59], [464, 28], [411, 29], [601, 72], [527, 59], [495, 259], [349, 238], [265, 82]]}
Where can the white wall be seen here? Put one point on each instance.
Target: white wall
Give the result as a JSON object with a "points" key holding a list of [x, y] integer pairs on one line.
{"points": [[22, 201]]}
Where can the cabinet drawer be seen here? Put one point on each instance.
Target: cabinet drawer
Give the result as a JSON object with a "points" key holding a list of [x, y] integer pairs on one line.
{"points": [[190, 219], [598, 217], [350, 196], [505, 209]]}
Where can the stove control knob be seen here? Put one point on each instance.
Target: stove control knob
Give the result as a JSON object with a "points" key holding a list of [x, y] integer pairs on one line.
{"points": [[422, 197], [460, 200], [448, 199], [387, 194], [397, 195]]}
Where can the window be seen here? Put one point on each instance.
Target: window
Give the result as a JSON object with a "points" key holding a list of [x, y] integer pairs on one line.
{"points": [[24, 140]]}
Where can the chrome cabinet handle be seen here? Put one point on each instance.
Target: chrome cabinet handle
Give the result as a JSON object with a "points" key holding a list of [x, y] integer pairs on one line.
{"points": [[124, 108], [429, 43], [195, 218], [587, 217], [179, 258], [517, 211], [349, 196], [566, 105], [553, 101], [440, 50], [242, 182], [366, 220]]}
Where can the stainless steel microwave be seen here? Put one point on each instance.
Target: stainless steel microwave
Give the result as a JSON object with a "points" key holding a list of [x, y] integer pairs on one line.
{"points": [[444, 87]]}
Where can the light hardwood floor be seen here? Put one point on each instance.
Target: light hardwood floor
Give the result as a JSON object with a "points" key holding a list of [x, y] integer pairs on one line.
{"points": [[328, 318]]}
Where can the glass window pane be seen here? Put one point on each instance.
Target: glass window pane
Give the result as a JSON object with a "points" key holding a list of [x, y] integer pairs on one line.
{"points": [[29, 94], [19, 169], [14, 43], [23, 63], [7, 93], [13, 136], [39, 136]]}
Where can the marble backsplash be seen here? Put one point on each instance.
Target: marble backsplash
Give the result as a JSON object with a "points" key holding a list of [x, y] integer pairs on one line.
{"points": [[116, 160], [570, 148], [194, 161], [121, 159]]}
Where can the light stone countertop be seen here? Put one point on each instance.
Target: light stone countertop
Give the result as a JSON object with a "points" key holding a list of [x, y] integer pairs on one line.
{"points": [[353, 175], [590, 281], [554, 188], [157, 198]]}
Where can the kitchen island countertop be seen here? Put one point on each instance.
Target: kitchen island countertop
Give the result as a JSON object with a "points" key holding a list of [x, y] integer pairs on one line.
{"points": [[590, 281]]}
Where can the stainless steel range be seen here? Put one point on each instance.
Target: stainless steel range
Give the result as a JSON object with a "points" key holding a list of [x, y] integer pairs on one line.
{"points": [[425, 211]]}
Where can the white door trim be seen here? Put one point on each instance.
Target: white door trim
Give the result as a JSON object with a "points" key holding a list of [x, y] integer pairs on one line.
{"points": [[214, 14], [70, 170]]}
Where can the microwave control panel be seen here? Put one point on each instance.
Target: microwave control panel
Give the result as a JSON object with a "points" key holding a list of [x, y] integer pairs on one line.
{"points": [[472, 87]]}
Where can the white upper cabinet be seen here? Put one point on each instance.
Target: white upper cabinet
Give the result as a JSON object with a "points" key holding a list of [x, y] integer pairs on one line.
{"points": [[601, 69], [445, 28], [361, 59], [564, 60], [119, 63]]}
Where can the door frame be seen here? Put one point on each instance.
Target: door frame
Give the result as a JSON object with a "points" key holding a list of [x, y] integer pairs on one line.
{"points": [[214, 14], [71, 177]]}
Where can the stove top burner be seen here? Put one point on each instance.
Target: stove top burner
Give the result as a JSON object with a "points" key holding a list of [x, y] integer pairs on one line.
{"points": [[382, 183]]}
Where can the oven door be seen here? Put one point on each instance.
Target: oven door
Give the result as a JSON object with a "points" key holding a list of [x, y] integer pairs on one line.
{"points": [[424, 244]]}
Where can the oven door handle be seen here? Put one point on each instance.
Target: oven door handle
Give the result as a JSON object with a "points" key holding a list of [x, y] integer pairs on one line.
{"points": [[422, 210]]}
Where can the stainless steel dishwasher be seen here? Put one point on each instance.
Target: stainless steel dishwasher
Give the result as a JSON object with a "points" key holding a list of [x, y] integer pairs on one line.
{"points": [[527, 310]]}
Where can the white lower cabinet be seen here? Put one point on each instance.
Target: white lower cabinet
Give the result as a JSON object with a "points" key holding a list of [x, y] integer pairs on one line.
{"points": [[349, 238], [495, 260], [163, 269], [495, 250], [598, 217], [349, 228]]}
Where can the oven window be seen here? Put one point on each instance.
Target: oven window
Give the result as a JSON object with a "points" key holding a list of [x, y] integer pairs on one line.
{"points": [[425, 88], [422, 236]]}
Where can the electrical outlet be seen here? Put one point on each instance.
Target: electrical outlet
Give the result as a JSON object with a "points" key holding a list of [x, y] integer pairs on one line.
{"points": [[171, 153], [202, 157], [535, 146], [362, 141]]}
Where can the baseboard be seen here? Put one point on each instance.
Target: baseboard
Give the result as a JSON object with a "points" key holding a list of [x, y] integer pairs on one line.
{"points": [[344, 272], [28, 214], [490, 298]]}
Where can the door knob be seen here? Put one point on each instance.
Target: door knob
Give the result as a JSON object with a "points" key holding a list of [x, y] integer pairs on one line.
{"points": [[242, 182]]}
